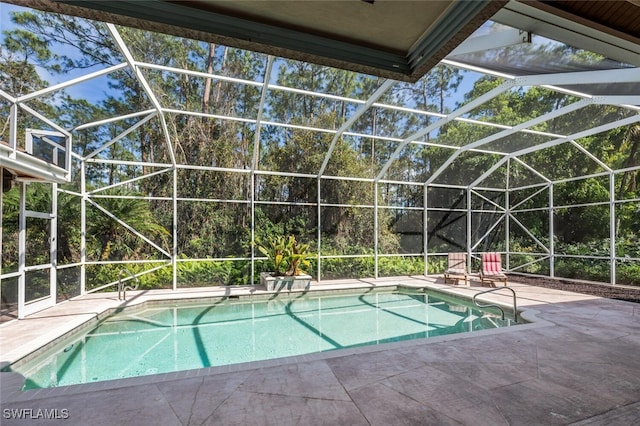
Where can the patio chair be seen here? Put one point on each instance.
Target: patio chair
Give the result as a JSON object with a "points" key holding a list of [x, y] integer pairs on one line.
{"points": [[456, 268], [491, 271]]}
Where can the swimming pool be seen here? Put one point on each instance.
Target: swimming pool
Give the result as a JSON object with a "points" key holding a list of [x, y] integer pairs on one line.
{"points": [[174, 337]]}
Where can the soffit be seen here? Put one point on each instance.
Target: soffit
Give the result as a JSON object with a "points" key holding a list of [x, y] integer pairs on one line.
{"points": [[616, 17], [395, 39], [609, 27]]}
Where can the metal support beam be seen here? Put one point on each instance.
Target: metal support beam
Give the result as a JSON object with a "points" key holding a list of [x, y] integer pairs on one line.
{"points": [[356, 115], [255, 159], [120, 136], [522, 126], [131, 229], [319, 218], [145, 85], [498, 206], [590, 155], [174, 232], [469, 234], [252, 206], [507, 219], [114, 119], [375, 229], [11, 99], [513, 208], [258, 132], [1, 223], [525, 229], [200, 74], [589, 132], [552, 253], [53, 244], [83, 228], [612, 228], [457, 113], [128, 181], [626, 75], [425, 228], [491, 228], [531, 169], [51, 123], [22, 249], [495, 40], [71, 82], [13, 127], [492, 169]]}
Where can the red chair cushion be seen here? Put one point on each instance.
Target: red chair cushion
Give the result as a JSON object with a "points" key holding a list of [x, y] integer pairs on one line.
{"points": [[491, 263]]}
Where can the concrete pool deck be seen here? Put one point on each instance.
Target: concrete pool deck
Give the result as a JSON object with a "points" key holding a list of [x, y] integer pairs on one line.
{"points": [[577, 364]]}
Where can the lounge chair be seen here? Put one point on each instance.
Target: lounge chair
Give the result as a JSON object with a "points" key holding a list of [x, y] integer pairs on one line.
{"points": [[456, 268], [491, 271]]}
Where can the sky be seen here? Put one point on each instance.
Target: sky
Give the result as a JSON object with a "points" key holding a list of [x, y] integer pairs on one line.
{"points": [[91, 92]]}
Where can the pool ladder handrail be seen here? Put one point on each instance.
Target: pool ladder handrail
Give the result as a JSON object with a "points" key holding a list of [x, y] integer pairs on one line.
{"points": [[493, 305], [122, 288]]}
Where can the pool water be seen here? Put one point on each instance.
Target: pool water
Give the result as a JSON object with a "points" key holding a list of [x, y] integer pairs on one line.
{"points": [[161, 339]]}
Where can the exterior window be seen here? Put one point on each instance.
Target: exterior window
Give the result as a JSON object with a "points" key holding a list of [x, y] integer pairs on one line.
{"points": [[48, 146]]}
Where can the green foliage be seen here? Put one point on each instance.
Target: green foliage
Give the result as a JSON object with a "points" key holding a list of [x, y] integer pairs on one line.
{"points": [[627, 270], [583, 269], [210, 273], [400, 265], [519, 257], [299, 257], [350, 267], [581, 266], [203, 273], [286, 255], [111, 239], [363, 267], [437, 264], [276, 250], [628, 273]]}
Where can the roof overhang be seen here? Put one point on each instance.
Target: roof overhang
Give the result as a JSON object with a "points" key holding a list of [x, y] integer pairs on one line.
{"points": [[607, 27], [25, 167], [397, 39], [394, 39]]}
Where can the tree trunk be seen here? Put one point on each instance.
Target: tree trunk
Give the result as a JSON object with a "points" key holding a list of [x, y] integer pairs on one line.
{"points": [[224, 63], [628, 181], [207, 84]]}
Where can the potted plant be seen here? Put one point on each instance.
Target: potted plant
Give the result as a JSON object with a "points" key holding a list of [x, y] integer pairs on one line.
{"points": [[288, 257]]}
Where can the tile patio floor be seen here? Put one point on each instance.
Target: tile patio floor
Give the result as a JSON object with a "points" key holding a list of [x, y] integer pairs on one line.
{"points": [[577, 364]]}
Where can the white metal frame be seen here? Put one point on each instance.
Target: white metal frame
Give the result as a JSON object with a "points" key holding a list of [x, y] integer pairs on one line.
{"points": [[503, 213]]}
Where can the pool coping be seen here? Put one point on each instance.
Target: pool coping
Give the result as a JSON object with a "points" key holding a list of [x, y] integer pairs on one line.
{"points": [[12, 382]]}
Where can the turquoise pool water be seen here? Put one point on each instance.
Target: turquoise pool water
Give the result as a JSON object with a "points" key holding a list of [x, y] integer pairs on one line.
{"points": [[162, 339]]}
